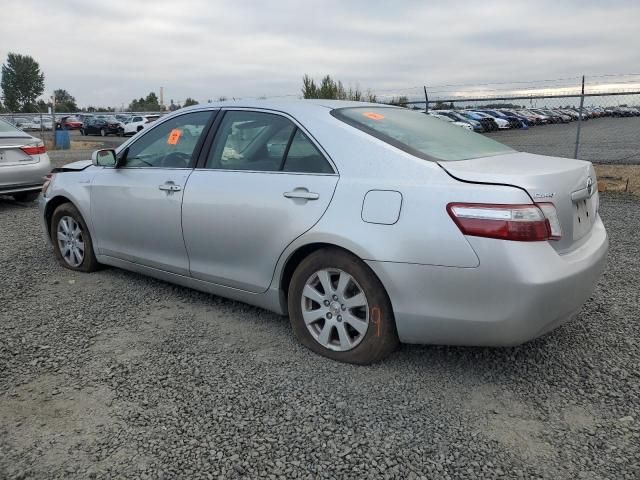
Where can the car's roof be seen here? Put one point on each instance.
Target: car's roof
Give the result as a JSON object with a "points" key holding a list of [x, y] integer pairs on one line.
{"points": [[284, 104]]}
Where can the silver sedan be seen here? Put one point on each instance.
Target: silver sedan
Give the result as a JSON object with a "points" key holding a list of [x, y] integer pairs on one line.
{"points": [[24, 163], [365, 224]]}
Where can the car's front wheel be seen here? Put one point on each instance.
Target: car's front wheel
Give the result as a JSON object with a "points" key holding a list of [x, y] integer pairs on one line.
{"points": [[103, 132], [338, 308], [71, 239]]}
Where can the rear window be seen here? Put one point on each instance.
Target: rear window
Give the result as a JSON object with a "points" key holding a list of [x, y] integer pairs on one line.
{"points": [[419, 134], [6, 127]]}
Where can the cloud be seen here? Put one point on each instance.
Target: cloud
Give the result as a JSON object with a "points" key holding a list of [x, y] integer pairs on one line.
{"points": [[110, 52]]}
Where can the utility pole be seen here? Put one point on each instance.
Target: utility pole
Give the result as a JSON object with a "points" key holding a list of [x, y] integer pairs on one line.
{"points": [[575, 153], [161, 98]]}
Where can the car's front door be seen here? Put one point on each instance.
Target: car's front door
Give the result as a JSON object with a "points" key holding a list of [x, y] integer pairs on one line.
{"points": [[264, 183], [136, 208]]}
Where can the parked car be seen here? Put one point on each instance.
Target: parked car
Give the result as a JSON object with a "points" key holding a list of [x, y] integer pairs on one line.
{"points": [[68, 123], [488, 124], [501, 122], [458, 123], [24, 163], [458, 117], [101, 126], [513, 121], [138, 123], [376, 225]]}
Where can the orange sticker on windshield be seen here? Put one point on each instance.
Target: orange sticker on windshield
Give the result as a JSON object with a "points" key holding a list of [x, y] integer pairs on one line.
{"points": [[174, 137], [373, 116]]}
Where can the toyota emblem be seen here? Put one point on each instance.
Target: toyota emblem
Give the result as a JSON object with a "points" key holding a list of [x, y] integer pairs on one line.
{"points": [[589, 186]]}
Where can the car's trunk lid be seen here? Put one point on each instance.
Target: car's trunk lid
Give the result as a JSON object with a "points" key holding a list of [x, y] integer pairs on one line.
{"points": [[10, 152], [569, 184]]}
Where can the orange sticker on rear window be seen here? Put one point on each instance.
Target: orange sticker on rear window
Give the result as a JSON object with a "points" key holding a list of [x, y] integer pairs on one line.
{"points": [[174, 137], [373, 116]]}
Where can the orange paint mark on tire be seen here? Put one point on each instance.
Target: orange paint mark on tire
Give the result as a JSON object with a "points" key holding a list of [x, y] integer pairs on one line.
{"points": [[376, 319]]}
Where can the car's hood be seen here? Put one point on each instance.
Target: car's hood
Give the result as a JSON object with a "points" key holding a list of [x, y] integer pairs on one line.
{"points": [[74, 166]]}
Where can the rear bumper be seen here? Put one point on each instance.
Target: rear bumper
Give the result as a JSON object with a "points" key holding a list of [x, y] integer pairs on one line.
{"points": [[25, 177], [518, 292]]}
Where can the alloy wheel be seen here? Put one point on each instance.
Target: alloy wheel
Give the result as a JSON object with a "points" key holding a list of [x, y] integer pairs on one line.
{"points": [[335, 309], [70, 241]]}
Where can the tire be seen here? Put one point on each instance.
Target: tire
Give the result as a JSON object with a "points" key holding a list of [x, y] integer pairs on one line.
{"points": [[26, 196], [139, 128], [82, 132], [376, 335], [103, 132], [65, 212]]}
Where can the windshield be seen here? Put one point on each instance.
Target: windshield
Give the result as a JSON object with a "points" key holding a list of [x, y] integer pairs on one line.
{"points": [[419, 134]]}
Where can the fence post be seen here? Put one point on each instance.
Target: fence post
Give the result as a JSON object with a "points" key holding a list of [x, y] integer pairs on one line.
{"points": [[575, 153], [426, 100], [53, 118]]}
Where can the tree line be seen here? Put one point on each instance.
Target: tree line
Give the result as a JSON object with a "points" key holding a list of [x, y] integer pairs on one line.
{"points": [[23, 82]]}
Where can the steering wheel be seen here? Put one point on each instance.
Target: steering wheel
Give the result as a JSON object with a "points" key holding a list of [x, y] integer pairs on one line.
{"points": [[176, 160]]}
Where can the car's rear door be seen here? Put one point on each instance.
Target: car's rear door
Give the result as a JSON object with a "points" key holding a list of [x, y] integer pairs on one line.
{"points": [[136, 208], [263, 183]]}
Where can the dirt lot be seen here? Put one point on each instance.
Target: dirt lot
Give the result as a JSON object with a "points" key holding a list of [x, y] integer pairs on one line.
{"points": [[114, 375]]}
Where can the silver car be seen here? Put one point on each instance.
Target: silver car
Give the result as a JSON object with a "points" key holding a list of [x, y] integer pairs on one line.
{"points": [[24, 163], [366, 224]]}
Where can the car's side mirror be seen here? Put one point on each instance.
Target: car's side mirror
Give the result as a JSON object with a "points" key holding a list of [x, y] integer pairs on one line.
{"points": [[104, 158]]}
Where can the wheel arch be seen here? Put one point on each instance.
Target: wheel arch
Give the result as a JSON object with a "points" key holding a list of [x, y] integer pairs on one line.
{"points": [[51, 206], [298, 255]]}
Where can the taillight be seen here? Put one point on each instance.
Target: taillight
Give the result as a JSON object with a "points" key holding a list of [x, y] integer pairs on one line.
{"points": [[551, 215], [37, 149], [47, 182], [523, 223]]}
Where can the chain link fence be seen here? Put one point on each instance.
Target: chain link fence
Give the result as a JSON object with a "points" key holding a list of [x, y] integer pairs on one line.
{"points": [[598, 120]]}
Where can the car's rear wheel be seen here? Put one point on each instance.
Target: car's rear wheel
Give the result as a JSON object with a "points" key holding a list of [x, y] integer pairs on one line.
{"points": [[339, 309], [71, 239], [139, 128], [26, 196]]}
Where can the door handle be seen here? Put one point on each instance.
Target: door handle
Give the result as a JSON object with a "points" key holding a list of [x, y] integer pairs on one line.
{"points": [[302, 193], [170, 187]]}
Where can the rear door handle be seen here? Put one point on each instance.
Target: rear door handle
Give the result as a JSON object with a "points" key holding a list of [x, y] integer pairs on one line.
{"points": [[302, 193], [170, 187]]}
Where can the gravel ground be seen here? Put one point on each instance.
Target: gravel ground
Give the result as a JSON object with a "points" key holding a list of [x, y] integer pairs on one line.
{"points": [[114, 375]]}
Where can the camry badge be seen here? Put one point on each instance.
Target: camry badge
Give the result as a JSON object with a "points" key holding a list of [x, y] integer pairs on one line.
{"points": [[544, 195]]}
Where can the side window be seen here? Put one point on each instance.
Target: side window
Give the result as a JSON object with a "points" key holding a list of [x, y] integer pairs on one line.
{"points": [[304, 157], [170, 144], [250, 141], [137, 119]]}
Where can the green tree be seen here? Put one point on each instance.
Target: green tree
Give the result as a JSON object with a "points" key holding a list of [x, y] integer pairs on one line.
{"points": [[65, 102], [190, 101], [309, 88], [332, 89], [22, 82], [149, 104]]}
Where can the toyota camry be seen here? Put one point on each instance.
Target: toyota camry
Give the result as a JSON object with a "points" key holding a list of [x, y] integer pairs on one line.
{"points": [[366, 224]]}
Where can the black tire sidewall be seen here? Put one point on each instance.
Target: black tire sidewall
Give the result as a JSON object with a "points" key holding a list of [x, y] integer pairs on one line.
{"points": [[381, 337], [89, 262]]}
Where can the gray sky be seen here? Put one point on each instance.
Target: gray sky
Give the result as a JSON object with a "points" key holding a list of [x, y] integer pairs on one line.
{"points": [[108, 52]]}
